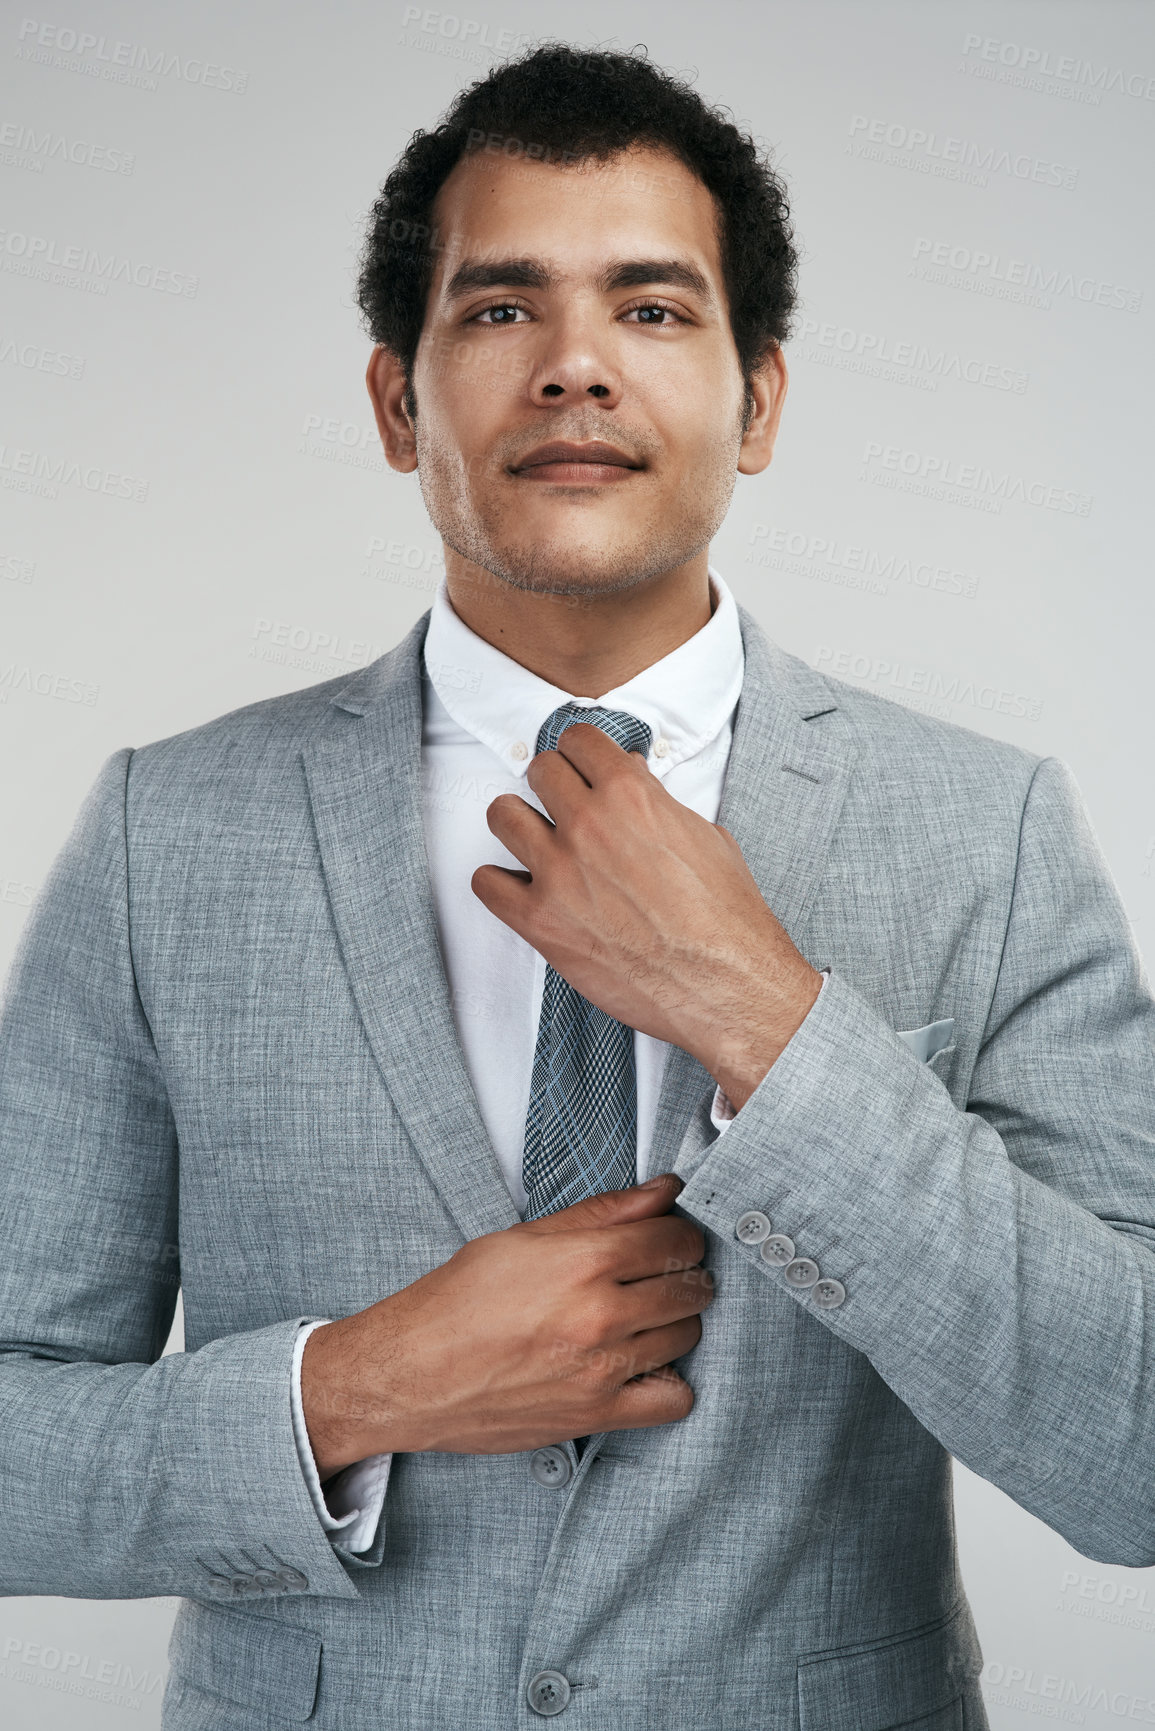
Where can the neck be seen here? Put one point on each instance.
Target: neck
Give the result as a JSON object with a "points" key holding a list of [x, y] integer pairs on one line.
{"points": [[584, 644]]}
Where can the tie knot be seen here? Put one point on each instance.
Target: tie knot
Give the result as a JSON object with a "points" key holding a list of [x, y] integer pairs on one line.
{"points": [[624, 729]]}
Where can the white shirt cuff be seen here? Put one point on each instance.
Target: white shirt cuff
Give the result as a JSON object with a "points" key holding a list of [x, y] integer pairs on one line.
{"points": [[722, 1110], [354, 1498]]}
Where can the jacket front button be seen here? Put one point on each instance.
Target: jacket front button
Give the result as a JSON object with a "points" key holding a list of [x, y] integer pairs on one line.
{"points": [[548, 1693], [551, 1466]]}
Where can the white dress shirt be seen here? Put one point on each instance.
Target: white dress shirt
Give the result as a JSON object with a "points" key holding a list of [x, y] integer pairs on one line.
{"points": [[482, 715]]}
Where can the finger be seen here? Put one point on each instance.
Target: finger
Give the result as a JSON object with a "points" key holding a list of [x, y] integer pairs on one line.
{"points": [[614, 1368], [515, 823], [594, 754], [660, 1397], [557, 783], [657, 1348], [640, 1249], [666, 1298], [505, 893], [610, 1207]]}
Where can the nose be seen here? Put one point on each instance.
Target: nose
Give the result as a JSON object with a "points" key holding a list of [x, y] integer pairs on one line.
{"points": [[573, 367]]}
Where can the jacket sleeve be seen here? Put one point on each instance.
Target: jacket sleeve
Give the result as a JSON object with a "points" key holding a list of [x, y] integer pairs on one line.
{"points": [[996, 1265], [123, 1473]]}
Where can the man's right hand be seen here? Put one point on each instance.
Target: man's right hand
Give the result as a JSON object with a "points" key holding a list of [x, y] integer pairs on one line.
{"points": [[555, 1328]]}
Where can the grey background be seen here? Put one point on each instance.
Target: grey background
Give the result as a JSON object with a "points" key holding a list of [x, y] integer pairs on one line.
{"points": [[972, 356]]}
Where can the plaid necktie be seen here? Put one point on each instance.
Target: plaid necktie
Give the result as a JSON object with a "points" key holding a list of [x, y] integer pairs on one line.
{"points": [[581, 1127]]}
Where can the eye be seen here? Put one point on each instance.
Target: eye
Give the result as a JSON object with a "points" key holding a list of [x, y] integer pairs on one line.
{"points": [[657, 307], [497, 307]]}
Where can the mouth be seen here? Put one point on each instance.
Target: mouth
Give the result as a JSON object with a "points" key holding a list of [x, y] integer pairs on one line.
{"points": [[589, 465]]}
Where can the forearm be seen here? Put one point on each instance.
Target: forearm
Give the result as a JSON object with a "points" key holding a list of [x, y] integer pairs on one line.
{"points": [[989, 1301], [150, 1480]]}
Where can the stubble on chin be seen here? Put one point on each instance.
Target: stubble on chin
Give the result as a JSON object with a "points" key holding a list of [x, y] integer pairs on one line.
{"points": [[494, 541]]}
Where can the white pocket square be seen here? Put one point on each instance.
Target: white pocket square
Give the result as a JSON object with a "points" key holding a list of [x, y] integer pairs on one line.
{"points": [[925, 1042]]}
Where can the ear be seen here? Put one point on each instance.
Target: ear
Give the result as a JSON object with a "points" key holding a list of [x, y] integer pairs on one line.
{"points": [[386, 383], [768, 385]]}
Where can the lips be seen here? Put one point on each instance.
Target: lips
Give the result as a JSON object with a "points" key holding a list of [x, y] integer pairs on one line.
{"points": [[595, 452]]}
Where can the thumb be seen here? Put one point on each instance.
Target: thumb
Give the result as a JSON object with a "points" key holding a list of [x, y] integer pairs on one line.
{"points": [[616, 1207]]}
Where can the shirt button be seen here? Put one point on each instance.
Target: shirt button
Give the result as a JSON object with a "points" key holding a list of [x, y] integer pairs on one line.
{"points": [[778, 1249], [802, 1271], [828, 1294], [551, 1466], [548, 1693], [661, 746], [519, 749], [752, 1227]]}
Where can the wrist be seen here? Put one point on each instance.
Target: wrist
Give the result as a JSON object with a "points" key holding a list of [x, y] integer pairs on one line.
{"points": [[741, 1057], [333, 1409]]}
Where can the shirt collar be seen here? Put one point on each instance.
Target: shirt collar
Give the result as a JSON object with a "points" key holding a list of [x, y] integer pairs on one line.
{"points": [[686, 698]]}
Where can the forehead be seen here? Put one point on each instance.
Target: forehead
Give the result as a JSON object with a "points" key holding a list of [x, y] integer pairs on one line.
{"points": [[642, 202]]}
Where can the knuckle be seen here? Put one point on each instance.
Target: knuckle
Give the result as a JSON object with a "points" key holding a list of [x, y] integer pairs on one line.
{"points": [[593, 1327]]}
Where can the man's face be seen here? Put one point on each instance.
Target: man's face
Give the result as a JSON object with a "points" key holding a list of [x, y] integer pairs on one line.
{"points": [[531, 338]]}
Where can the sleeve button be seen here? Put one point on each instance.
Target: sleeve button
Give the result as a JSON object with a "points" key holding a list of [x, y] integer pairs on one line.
{"points": [[778, 1249]]}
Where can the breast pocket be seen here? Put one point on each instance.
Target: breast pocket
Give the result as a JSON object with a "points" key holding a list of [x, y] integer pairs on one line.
{"points": [[927, 1042], [915, 1681], [251, 1661]]}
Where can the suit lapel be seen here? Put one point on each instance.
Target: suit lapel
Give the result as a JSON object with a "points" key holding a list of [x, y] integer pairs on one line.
{"points": [[790, 765], [363, 775]]}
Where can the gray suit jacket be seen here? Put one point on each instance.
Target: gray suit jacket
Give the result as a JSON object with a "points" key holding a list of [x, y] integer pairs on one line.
{"points": [[227, 1026]]}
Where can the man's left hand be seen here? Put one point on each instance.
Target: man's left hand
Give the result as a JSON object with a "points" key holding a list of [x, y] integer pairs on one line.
{"points": [[647, 909]]}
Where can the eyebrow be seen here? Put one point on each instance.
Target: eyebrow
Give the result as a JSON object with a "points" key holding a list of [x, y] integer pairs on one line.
{"points": [[474, 274]]}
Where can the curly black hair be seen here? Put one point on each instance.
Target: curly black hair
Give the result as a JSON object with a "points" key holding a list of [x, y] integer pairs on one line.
{"points": [[561, 103]]}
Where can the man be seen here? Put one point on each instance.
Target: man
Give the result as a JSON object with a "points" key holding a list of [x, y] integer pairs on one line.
{"points": [[614, 1163]]}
